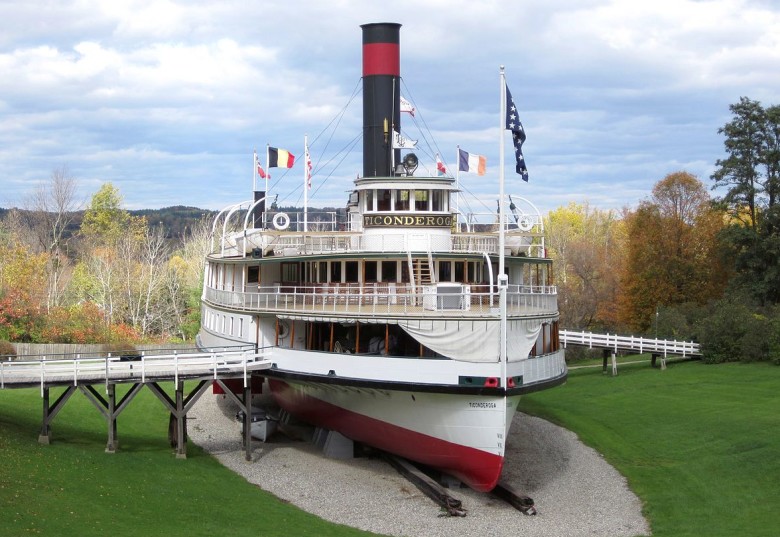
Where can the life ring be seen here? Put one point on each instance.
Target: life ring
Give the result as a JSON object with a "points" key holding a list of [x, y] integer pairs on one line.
{"points": [[525, 223], [281, 221], [284, 329]]}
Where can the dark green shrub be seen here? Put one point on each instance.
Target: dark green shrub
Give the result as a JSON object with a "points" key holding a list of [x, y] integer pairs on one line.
{"points": [[721, 333]]}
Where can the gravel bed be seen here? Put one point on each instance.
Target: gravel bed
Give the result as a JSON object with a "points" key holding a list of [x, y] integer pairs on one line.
{"points": [[575, 491]]}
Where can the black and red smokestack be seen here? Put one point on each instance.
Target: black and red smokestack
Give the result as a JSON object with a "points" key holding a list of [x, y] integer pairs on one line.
{"points": [[381, 96]]}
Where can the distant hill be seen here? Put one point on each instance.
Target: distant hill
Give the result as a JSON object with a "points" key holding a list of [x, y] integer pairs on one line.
{"points": [[176, 221]]}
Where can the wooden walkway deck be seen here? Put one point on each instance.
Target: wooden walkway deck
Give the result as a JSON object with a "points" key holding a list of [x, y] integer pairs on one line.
{"points": [[226, 368], [613, 343]]}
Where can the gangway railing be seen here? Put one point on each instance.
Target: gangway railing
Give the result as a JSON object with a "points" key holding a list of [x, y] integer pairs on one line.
{"points": [[81, 374], [134, 368], [639, 345]]}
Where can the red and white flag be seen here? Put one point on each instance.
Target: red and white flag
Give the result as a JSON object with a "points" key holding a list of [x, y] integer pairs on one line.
{"points": [[260, 170], [406, 106], [440, 169], [307, 157]]}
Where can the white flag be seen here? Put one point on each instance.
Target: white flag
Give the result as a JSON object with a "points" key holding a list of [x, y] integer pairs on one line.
{"points": [[399, 142], [406, 106]]}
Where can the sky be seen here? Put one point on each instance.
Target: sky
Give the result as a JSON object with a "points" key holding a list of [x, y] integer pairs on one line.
{"points": [[167, 100]]}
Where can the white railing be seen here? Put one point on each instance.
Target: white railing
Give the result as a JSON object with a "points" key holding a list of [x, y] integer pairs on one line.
{"points": [[639, 345], [135, 368], [473, 300], [340, 242]]}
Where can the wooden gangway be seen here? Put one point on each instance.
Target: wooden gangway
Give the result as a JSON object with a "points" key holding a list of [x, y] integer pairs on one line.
{"points": [[227, 368], [130, 368], [611, 344]]}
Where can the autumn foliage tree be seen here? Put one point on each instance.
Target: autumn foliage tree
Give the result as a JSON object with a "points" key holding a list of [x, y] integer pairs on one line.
{"points": [[586, 246], [671, 251], [22, 291]]}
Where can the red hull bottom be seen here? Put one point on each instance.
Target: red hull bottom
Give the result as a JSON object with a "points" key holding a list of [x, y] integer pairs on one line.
{"points": [[478, 469]]}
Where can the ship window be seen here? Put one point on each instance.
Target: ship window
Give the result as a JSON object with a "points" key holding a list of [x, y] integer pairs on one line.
{"points": [[290, 273], [458, 271], [401, 200], [437, 201], [370, 200], [323, 272], [253, 274], [335, 271], [475, 272], [370, 271], [389, 271], [351, 271], [383, 200], [421, 200], [445, 271]]}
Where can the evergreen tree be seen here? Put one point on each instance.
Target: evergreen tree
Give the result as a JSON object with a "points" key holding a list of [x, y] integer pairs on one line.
{"points": [[751, 174]]}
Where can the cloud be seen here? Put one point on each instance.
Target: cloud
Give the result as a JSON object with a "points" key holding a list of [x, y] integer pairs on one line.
{"points": [[168, 99]]}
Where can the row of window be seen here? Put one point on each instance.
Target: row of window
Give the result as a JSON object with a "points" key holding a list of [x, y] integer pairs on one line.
{"points": [[368, 271], [224, 324], [388, 200], [376, 271]]}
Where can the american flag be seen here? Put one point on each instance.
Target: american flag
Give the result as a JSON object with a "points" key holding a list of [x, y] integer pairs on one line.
{"points": [[518, 134]]}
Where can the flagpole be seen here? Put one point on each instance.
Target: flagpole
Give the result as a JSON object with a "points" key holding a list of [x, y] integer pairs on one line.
{"points": [[254, 172], [305, 183], [267, 172], [457, 185], [267, 175], [502, 278]]}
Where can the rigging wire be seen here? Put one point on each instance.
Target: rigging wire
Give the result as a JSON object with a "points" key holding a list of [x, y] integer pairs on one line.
{"points": [[316, 168]]}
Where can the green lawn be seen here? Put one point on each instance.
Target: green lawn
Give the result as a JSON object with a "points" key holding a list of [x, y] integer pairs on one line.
{"points": [[699, 444], [72, 487]]}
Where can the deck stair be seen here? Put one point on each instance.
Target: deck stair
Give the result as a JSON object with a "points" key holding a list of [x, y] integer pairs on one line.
{"points": [[423, 271]]}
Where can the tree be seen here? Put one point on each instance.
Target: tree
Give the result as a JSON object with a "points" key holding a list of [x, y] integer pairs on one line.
{"points": [[102, 275], [22, 281], [106, 221], [52, 210], [738, 172], [585, 244], [185, 281], [751, 175], [671, 251]]}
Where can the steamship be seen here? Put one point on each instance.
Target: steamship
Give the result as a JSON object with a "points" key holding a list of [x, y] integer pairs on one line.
{"points": [[404, 326]]}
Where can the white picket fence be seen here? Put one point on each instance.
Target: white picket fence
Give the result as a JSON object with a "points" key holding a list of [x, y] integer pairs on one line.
{"points": [[634, 344]]}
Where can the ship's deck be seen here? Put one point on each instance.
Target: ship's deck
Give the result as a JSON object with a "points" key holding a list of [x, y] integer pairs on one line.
{"points": [[389, 299]]}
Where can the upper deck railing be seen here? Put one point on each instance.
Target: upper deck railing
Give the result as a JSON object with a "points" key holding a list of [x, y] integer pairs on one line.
{"points": [[283, 243], [391, 299]]}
